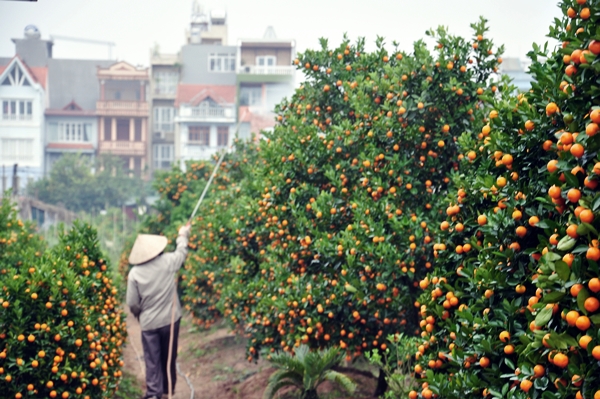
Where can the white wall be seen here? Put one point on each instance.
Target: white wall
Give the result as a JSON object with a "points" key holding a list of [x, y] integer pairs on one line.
{"points": [[33, 130]]}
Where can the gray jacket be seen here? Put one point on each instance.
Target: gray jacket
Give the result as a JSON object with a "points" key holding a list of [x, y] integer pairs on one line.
{"points": [[151, 286]]}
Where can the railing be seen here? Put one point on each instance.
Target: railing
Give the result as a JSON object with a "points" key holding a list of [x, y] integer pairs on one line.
{"points": [[267, 70], [122, 107], [165, 136], [123, 147], [219, 112], [163, 127], [12, 117]]}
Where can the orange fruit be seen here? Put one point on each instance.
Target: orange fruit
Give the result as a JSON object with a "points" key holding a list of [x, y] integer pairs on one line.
{"points": [[577, 150], [591, 304], [482, 220], [521, 231], [575, 288], [561, 360], [586, 216], [592, 129], [552, 165], [595, 114], [504, 336], [574, 195], [583, 323], [554, 192], [572, 317], [594, 284], [539, 371], [596, 352], [593, 253], [584, 341], [484, 362], [526, 385]]}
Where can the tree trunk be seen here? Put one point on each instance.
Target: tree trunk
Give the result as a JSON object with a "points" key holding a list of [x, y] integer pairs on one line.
{"points": [[310, 394], [382, 384]]}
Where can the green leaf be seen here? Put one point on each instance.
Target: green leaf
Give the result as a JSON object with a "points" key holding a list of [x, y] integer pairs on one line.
{"points": [[554, 296], [543, 317], [590, 228], [563, 270], [566, 243]]}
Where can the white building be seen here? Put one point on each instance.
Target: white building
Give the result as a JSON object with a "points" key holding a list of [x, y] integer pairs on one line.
{"points": [[23, 101], [205, 122]]}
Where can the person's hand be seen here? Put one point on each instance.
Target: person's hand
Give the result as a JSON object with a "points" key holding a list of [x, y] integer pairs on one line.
{"points": [[185, 230]]}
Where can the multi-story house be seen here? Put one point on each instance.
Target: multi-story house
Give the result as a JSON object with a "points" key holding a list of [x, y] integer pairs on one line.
{"points": [[23, 85], [164, 71], [71, 120], [206, 120], [206, 96], [123, 115], [265, 76]]}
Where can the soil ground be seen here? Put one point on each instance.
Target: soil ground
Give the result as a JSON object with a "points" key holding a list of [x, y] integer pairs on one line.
{"points": [[215, 364]]}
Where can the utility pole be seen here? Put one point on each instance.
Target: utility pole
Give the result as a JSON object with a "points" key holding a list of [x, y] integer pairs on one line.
{"points": [[15, 181], [3, 180]]}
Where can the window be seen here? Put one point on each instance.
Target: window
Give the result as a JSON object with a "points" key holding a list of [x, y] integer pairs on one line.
{"points": [[71, 132], [266, 60], [163, 156], [17, 110], [16, 77], [250, 96], [199, 135], [222, 136], [38, 215], [221, 62], [123, 129], [165, 82], [16, 150], [163, 119]]}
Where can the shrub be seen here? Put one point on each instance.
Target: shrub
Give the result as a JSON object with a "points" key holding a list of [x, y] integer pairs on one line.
{"points": [[61, 329]]}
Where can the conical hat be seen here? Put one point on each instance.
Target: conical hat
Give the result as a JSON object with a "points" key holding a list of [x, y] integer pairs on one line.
{"points": [[147, 247]]}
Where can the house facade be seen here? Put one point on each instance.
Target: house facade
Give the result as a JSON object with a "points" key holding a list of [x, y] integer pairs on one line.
{"points": [[205, 122], [265, 75], [71, 122], [123, 112], [165, 72], [22, 102]]}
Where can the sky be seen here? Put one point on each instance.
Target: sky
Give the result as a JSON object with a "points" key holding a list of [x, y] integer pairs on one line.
{"points": [[135, 26]]}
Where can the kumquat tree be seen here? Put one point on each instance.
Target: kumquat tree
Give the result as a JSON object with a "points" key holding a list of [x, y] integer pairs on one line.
{"points": [[61, 321], [416, 193], [526, 200]]}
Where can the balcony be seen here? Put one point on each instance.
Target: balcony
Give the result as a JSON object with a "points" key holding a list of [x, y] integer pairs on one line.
{"points": [[207, 114], [163, 137], [164, 127], [285, 70], [122, 108], [164, 59], [131, 148]]}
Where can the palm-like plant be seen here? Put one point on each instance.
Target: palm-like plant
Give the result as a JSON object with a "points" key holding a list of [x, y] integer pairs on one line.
{"points": [[306, 371]]}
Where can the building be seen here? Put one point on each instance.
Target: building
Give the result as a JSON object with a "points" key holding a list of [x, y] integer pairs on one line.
{"points": [[71, 122], [206, 120], [164, 71], [207, 28], [123, 115], [516, 70], [23, 93], [265, 75]]}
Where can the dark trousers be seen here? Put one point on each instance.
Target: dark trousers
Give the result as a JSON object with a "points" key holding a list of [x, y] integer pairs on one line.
{"points": [[156, 352]]}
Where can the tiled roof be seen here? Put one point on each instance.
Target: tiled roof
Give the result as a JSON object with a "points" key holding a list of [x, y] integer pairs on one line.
{"points": [[74, 81], [195, 94], [38, 74]]}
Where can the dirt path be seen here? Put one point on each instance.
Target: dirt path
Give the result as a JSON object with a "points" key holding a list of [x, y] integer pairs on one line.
{"points": [[215, 363]]}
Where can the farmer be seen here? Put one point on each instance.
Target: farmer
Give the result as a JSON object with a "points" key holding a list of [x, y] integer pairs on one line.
{"points": [[150, 291]]}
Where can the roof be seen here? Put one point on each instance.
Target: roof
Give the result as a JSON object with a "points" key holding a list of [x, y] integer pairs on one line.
{"points": [[122, 71], [74, 81], [195, 94], [37, 74]]}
